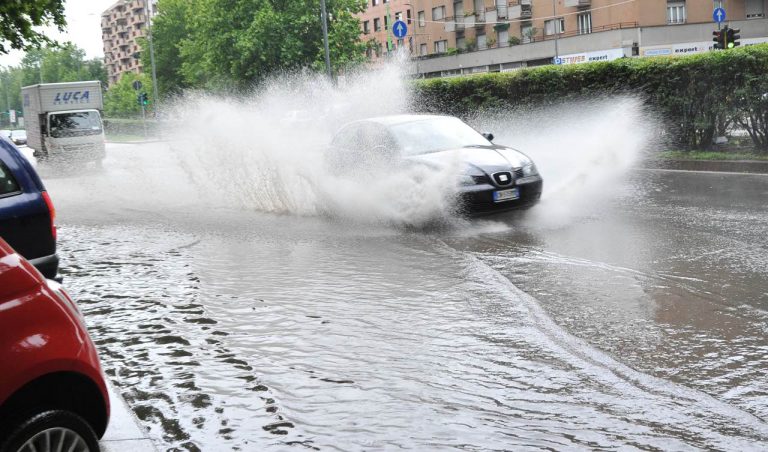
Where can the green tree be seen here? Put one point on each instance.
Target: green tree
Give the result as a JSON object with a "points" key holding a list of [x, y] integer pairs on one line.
{"points": [[120, 101], [63, 63], [17, 19], [220, 43]]}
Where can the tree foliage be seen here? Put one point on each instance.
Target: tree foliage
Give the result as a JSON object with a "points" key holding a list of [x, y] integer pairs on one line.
{"points": [[169, 29], [696, 95], [19, 17], [62, 63], [121, 101], [220, 43]]}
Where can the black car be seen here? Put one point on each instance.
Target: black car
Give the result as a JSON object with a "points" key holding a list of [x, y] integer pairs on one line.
{"points": [[492, 178], [26, 212]]}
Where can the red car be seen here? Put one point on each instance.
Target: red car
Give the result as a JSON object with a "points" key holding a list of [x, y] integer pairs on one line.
{"points": [[52, 391]]}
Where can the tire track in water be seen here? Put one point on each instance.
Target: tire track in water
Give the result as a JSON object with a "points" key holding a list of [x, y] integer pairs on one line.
{"points": [[670, 408]]}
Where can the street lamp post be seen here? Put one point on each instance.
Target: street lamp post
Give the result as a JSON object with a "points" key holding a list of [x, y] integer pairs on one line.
{"points": [[324, 17], [152, 56], [555, 29]]}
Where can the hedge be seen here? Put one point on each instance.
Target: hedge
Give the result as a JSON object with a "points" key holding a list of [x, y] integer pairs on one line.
{"points": [[698, 96]]}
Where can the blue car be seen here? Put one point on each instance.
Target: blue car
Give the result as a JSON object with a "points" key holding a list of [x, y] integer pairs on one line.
{"points": [[26, 212]]}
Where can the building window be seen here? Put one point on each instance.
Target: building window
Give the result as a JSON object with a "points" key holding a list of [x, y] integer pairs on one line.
{"points": [[422, 19], [458, 9], [438, 13], [585, 23], [482, 42], [441, 46], [554, 26], [374, 2], [754, 9], [423, 49], [527, 33], [718, 4], [675, 12], [408, 16], [501, 8], [398, 16], [376, 24], [461, 43], [503, 38], [366, 27]]}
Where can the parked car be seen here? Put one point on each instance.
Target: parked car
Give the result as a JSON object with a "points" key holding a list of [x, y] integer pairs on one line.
{"points": [[53, 396], [494, 178], [19, 137], [27, 215]]}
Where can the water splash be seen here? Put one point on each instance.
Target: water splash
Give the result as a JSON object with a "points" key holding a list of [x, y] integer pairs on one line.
{"points": [[583, 149]]}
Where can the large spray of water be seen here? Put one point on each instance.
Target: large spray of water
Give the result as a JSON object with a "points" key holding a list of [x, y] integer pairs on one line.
{"points": [[265, 152]]}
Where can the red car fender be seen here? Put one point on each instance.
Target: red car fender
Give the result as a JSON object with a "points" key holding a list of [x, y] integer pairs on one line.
{"points": [[41, 330]]}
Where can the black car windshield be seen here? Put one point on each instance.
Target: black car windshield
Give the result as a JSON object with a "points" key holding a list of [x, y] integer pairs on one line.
{"points": [[75, 124], [435, 134]]}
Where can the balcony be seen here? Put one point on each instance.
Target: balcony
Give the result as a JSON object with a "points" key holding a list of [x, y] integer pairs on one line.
{"points": [[577, 3], [480, 18], [520, 10]]}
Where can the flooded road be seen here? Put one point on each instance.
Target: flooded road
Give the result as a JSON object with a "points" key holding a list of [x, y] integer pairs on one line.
{"points": [[632, 321]]}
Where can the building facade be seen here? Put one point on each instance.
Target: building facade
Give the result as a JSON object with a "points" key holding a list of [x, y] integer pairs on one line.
{"points": [[451, 37], [122, 24]]}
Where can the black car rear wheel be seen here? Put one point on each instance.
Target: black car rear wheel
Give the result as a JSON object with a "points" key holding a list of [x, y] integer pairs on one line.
{"points": [[52, 430]]}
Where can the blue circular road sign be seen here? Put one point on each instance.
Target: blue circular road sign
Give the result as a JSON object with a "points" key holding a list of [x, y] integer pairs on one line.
{"points": [[718, 15], [399, 29]]}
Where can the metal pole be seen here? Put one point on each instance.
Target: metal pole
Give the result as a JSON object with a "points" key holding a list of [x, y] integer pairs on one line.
{"points": [[144, 120], [324, 17], [554, 28], [152, 57]]}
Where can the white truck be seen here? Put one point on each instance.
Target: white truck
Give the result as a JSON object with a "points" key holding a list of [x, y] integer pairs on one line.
{"points": [[63, 120]]}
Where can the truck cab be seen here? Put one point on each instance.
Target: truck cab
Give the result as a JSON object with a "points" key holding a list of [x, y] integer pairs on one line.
{"points": [[74, 135]]}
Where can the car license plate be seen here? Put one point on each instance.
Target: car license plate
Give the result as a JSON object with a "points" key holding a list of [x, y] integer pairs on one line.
{"points": [[506, 195]]}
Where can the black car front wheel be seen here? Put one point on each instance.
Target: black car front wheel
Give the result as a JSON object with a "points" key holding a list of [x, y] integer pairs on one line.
{"points": [[54, 430]]}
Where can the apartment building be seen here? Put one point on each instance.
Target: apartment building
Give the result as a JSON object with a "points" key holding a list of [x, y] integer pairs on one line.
{"points": [[451, 37], [122, 24]]}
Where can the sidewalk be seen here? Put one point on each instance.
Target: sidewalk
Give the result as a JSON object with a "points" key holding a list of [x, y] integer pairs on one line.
{"points": [[124, 433]]}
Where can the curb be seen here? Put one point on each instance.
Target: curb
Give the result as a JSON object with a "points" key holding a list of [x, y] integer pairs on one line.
{"points": [[124, 434], [729, 166]]}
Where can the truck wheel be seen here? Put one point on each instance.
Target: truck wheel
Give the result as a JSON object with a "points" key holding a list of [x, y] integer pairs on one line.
{"points": [[50, 431]]}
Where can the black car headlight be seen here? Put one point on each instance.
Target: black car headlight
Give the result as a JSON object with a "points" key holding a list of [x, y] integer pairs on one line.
{"points": [[529, 169], [466, 179]]}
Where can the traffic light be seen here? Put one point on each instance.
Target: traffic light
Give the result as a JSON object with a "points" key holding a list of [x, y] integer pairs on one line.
{"points": [[143, 99], [733, 36], [719, 38]]}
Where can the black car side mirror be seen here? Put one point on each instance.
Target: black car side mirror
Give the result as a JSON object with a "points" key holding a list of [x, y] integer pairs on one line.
{"points": [[488, 136]]}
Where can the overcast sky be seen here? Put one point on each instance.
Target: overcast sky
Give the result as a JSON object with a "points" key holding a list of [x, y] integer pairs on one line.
{"points": [[83, 28]]}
